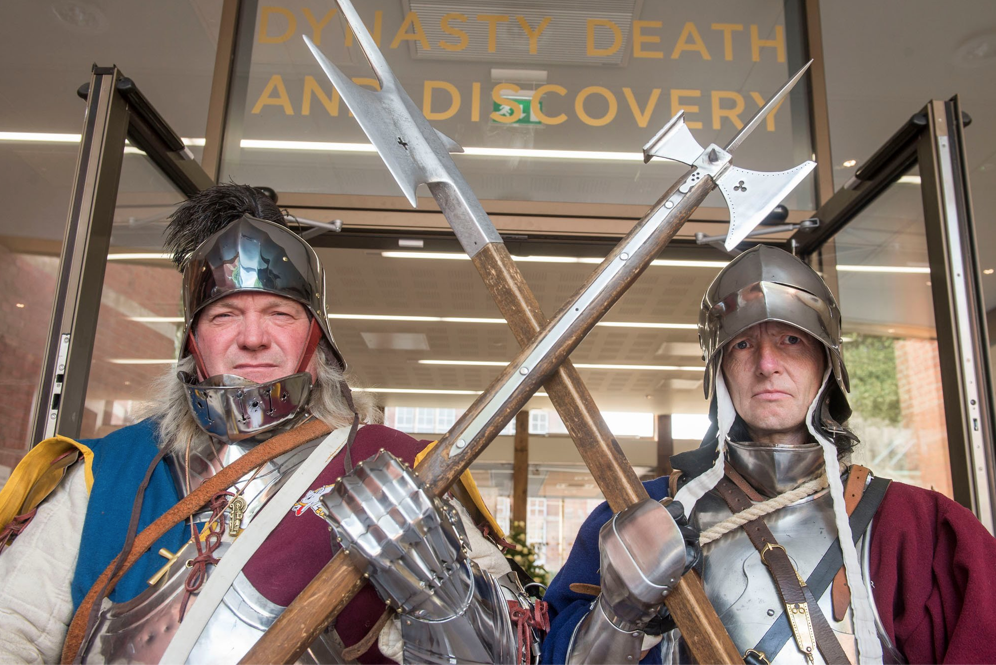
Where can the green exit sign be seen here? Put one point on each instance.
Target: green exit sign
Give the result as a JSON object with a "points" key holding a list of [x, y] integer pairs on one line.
{"points": [[526, 117]]}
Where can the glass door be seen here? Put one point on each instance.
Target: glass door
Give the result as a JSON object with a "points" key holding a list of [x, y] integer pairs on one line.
{"points": [[898, 243]]}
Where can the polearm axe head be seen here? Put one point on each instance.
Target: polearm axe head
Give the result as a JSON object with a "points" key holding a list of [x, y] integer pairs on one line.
{"points": [[413, 151], [750, 195]]}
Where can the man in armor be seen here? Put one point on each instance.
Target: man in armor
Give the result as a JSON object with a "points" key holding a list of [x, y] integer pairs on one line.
{"points": [[240, 487], [791, 559]]}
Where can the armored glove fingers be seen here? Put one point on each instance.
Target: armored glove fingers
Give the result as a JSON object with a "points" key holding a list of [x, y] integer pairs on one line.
{"points": [[642, 554], [410, 543]]}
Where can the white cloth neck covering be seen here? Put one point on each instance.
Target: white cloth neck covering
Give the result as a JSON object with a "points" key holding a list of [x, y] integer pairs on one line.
{"points": [[862, 612]]}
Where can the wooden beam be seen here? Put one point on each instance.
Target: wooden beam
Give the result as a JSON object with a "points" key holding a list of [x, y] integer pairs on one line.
{"points": [[520, 468], [665, 444]]}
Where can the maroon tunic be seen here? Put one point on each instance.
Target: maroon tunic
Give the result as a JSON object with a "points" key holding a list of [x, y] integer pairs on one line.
{"points": [[301, 545], [933, 566]]}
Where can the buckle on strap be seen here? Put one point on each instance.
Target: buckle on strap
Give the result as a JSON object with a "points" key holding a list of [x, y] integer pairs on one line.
{"points": [[768, 547], [755, 657]]}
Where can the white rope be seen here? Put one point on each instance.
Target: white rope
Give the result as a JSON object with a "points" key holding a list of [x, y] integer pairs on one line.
{"points": [[761, 509]]}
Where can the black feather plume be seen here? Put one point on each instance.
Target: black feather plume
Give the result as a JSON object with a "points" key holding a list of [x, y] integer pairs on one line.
{"points": [[211, 210]]}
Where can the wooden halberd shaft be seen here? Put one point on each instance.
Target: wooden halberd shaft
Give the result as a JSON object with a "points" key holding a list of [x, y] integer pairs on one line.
{"points": [[335, 585]]}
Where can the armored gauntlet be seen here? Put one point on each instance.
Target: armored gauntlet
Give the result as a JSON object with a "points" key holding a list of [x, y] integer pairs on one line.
{"points": [[643, 554], [412, 545]]}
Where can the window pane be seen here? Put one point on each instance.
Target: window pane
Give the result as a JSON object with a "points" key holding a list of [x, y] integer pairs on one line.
{"points": [[609, 96], [538, 422], [890, 342], [425, 420]]}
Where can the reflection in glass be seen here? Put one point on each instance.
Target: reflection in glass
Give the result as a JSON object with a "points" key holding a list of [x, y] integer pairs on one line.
{"points": [[27, 290], [140, 308], [890, 342], [560, 500], [589, 77]]}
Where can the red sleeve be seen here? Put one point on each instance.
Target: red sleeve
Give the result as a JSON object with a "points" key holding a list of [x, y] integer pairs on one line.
{"points": [[932, 567]]}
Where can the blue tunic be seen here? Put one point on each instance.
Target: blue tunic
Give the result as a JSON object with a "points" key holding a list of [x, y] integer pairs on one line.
{"points": [[120, 461]]}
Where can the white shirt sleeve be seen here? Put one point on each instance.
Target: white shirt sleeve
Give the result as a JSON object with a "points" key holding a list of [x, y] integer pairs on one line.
{"points": [[36, 574]]}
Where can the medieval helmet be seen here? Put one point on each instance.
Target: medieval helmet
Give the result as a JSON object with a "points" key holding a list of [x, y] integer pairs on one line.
{"points": [[768, 284], [229, 239]]}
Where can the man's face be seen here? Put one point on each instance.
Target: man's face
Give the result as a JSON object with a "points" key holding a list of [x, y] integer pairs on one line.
{"points": [[773, 372], [258, 336]]}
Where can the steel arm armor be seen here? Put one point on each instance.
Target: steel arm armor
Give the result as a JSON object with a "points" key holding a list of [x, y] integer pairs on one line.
{"points": [[413, 547], [642, 555]]}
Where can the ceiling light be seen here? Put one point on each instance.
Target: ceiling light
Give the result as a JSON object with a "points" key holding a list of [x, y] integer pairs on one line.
{"points": [[635, 324], [987, 271], [19, 305], [443, 319], [469, 319], [849, 163], [978, 51], [142, 361], [156, 319], [324, 146], [458, 256], [140, 256], [493, 363], [43, 137], [885, 269], [40, 137], [909, 180], [427, 391]]}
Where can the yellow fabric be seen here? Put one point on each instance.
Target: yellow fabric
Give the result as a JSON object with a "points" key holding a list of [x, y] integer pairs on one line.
{"points": [[35, 477], [467, 480]]}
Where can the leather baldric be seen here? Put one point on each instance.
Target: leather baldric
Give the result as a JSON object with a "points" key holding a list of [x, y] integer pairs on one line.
{"points": [[810, 627], [190, 504], [857, 479]]}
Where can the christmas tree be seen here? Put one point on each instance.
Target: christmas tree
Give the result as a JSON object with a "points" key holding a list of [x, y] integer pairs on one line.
{"points": [[525, 554]]}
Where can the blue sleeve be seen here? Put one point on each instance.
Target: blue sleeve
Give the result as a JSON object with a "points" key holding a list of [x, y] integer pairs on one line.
{"points": [[567, 607]]}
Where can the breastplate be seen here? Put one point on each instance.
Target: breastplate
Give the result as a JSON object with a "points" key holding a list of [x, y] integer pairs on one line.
{"points": [[742, 590], [138, 631]]}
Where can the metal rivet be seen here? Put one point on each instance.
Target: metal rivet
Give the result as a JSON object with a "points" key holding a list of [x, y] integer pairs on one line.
{"points": [[623, 256], [523, 371], [669, 204], [461, 444], [771, 613]]}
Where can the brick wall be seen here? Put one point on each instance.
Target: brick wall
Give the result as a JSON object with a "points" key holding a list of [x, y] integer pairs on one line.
{"points": [[129, 290], [27, 289], [918, 373]]}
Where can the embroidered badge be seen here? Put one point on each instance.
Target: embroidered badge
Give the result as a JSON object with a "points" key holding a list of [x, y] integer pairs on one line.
{"points": [[313, 501]]}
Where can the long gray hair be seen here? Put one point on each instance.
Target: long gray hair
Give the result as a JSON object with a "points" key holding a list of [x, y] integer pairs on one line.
{"points": [[328, 403]]}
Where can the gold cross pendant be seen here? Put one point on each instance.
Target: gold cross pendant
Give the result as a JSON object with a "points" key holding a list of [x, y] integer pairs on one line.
{"points": [[171, 558], [236, 510]]}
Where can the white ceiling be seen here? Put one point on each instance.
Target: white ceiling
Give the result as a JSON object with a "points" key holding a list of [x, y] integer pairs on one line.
{"points": [[884, 61]]}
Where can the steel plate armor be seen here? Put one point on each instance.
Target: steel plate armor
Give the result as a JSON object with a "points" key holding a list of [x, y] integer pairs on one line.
{"points": [[138, 631], [412, 546]]}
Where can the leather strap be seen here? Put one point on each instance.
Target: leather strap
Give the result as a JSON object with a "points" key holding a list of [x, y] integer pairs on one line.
{"points": [[742, 483], [190, 504], [780, 632], [585, 589], [790, 586], [855, 488], [672, 483]]}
